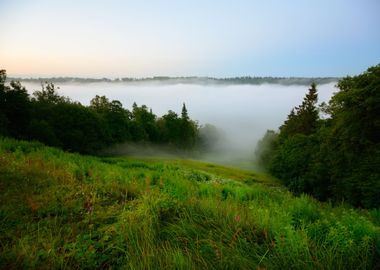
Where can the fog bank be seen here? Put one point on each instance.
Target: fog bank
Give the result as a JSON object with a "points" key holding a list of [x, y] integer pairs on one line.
{"points": [[244, 112]]}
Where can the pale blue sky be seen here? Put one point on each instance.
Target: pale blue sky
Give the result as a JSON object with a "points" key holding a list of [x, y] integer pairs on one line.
{"points": [[184, 38]]}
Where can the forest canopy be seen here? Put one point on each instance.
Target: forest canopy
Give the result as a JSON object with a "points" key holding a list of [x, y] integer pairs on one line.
{"points": [[58, 121]]}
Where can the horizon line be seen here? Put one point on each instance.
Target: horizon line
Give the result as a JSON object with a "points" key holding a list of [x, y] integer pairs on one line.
{"points": [[163, 77]]}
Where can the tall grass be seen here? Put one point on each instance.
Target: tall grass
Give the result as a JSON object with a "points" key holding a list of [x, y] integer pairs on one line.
{"points": [[67, 211]]}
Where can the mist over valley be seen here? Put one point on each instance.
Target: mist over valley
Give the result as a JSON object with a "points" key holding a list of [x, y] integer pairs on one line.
{"points": [[190, 134], [242, 112]]}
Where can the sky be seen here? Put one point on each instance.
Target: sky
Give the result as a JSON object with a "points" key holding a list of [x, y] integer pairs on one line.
{"points": [[218, 38]]}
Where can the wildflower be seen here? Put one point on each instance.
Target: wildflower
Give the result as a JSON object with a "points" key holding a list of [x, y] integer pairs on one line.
{"points": [[88, 205]]}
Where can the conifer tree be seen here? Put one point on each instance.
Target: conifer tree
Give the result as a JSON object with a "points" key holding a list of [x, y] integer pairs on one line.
{"points": [[303, 119], [184, 114]]}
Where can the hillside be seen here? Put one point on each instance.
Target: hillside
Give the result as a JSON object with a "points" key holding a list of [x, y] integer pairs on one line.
{"points": [[60, 210]]}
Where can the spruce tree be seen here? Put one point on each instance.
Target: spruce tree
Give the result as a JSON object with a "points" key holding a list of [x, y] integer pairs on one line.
{"points": [[308, 112], [184, 114], [303, 119]]}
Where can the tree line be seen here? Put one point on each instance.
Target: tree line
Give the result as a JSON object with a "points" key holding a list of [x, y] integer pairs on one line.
{"points": [[191, 80], [334, 157], [58, 121]]}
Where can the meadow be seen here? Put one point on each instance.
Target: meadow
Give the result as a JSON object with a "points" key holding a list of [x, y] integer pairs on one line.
{"points": [[68, 211]]}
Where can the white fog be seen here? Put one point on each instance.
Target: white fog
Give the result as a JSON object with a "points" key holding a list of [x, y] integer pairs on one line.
{"points": [[244, 112]]}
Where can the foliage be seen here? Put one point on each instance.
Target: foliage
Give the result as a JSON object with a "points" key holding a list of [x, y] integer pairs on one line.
{"points": [[338, 157], [14, 108], [116, 118], [49, 94], [302, 119], [143, 123], [265, 147], [61, 210], [188, 130], [58, 121]]}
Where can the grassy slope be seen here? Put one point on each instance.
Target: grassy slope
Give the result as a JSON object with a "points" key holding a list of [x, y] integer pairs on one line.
{"points": [[60, 210]]}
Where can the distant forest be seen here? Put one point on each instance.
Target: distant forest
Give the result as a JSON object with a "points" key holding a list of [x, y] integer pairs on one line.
{"points": [[190, 80], [336, 156]]}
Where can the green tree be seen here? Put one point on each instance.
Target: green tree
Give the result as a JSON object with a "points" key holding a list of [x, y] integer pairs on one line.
{"points": [[56, 120], [78, 128], [14, 108], [117, 119], [49, 94], [337, 157], [184, 114], [100, 104], [4, 122], [188, 132], [169, 126], [291, 154], [266, 147], [42, 131], [353, 147], [143, 124], [303, 119], [292, 160]]}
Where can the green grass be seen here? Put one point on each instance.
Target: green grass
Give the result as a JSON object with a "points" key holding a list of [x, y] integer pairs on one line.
{"points": [[66, 211]]}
